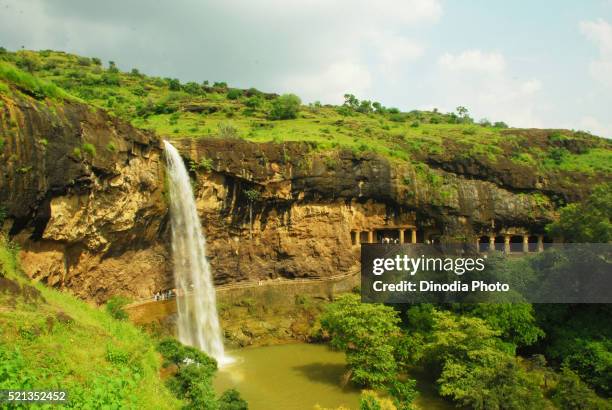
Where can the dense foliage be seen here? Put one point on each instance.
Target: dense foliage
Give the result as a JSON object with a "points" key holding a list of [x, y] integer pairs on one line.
{"points": [[366, 333], [587, 221], [193, 378]]}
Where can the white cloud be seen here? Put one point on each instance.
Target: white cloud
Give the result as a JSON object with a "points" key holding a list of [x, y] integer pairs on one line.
{"points": [[483, 82], [473, 60], [331, 83], [593, 125], [600, 33]]}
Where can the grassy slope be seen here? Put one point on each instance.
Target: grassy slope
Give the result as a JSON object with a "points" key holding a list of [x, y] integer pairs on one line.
{"points": [[154, 103], [56, 341]]}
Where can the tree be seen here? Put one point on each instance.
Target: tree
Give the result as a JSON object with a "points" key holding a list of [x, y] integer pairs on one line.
{"points": [[351, 101], [112, 67], [588, 221], [379, 109], [571, 393], [365, 332], [515, 321], [476, 369], [285, 107], [174, 84], [193, 380], [231, 400], [365, 107], [593, 362], [462, 111]]}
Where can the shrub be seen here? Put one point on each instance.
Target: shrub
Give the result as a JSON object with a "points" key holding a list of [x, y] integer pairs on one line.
{"points": [[27, 63], [558, 155], [116, 355], [114, 306], [174, 84], [254, 102], [192, 88], [234, 93], [397, 117], [285, 107], [110, 79], [111, 147], [90, 149], [77, 153], [252, 195], [1, 144], [231, 400], [174, 352], [227, 130], [206, 164]]}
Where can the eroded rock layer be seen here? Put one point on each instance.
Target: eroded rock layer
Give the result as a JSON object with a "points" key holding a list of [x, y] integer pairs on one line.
{"points": [[83, 194]]}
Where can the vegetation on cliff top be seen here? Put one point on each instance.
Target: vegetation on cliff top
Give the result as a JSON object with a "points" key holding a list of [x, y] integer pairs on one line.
{"points": [[205, 110]]}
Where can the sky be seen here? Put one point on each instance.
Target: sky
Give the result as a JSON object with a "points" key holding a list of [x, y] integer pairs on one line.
{"points": [[531, 64]]}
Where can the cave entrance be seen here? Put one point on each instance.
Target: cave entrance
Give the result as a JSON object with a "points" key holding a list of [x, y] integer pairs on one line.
{"points": [[499, 243], [483, 244], [387, 236], [516, 243]]}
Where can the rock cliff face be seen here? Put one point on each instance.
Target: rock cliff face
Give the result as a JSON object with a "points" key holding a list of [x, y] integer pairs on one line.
{"points": [[83, 195]]}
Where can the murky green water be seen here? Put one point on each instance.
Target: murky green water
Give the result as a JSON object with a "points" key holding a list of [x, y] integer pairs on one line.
{"points": [[288, 377], [300, 376]]}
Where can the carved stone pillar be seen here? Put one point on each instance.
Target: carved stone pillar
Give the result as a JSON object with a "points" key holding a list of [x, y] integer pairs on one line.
{"points": [[540, 243], [525, 243], [413, 239], [370, 236], [507, 243]]}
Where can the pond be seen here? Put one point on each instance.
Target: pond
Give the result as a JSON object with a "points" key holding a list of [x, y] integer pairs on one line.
{"points": [[291, 377], [300, 376]]}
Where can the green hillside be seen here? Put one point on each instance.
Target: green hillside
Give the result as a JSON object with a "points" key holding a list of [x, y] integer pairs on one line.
{"points": [[53, 341], [208, 110]]}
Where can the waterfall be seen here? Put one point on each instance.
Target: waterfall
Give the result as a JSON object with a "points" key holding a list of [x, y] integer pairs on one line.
{"points": [[198, 322]]}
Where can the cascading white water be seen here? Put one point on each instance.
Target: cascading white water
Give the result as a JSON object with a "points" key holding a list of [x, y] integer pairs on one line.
{"points": [[198, 322]]}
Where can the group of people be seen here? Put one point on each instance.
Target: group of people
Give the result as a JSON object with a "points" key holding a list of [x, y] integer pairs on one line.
{"points": [[386, 239], [165, 295]]}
